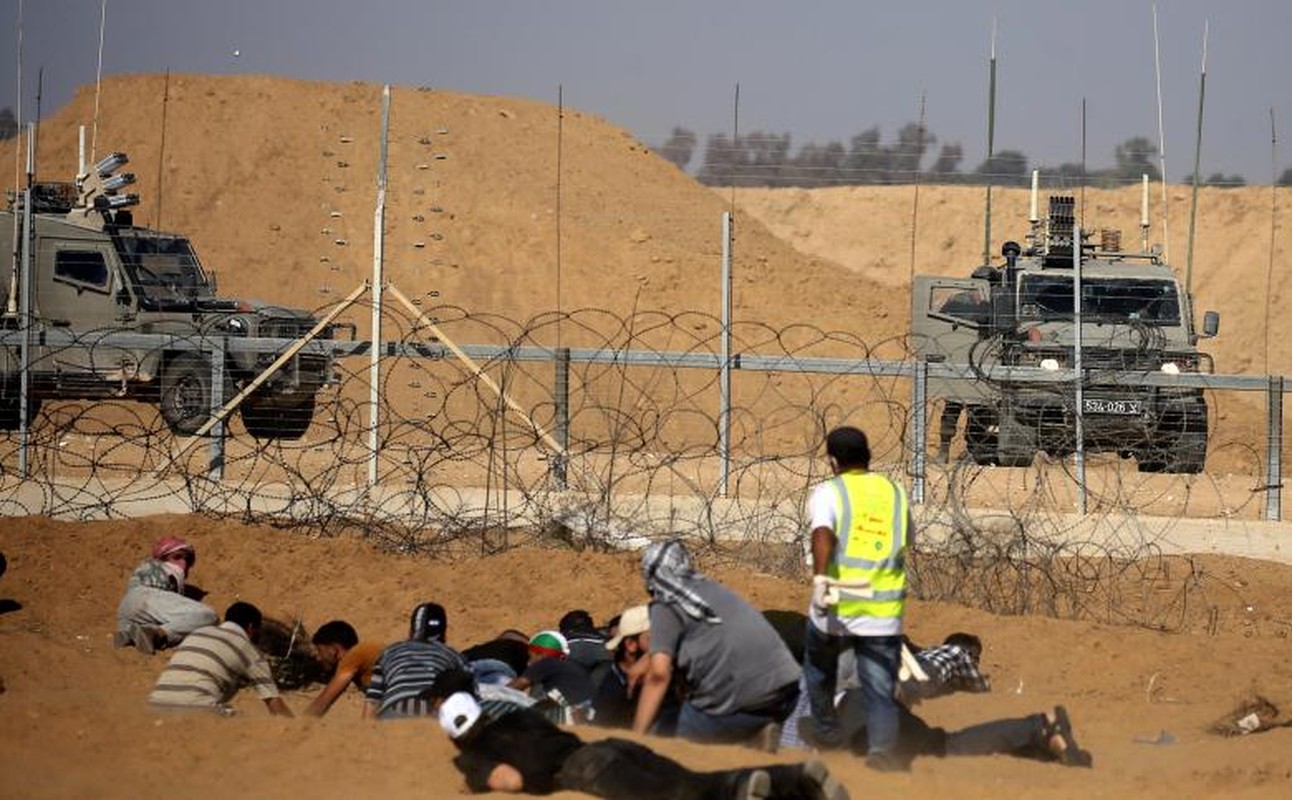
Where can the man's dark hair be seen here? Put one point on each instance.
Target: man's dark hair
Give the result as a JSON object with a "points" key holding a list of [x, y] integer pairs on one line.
{"points": [[967, 642], [848, 447], [449, 682], [576, 621], [336, 632], [244, 614]]}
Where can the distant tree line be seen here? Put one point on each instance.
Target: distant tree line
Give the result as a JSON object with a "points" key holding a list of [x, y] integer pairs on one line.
{"points": [[8, 124], [759, 158]]}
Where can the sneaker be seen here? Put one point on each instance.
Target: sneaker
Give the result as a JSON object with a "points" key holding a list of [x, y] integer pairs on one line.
{"points": [[768, 738], [886, 762], [756, 785], [824, 785], [811, 733]]}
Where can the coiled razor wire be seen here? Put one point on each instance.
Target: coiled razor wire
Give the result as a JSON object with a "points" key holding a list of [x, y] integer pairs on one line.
{"points": [[460, 472]]}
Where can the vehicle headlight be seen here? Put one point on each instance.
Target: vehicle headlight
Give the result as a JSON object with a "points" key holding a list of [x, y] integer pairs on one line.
{"points": [[1050, 364], [1171, 368]]}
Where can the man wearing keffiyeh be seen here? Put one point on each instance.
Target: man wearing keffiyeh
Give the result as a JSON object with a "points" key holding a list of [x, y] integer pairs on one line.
{"points": [[742, 679]]}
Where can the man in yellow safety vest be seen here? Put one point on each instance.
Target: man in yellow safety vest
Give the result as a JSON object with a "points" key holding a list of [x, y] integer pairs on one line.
{"points": [[861, 530]]}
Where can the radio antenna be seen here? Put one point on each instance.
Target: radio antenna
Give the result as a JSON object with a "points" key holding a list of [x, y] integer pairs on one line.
{"points": [[161, 151], [991, 143], [98, 80], [1197, 158], [1161, 144], [915, 201]]}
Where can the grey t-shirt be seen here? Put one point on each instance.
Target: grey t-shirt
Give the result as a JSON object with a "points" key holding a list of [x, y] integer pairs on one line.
{"points": [[735, 665]]}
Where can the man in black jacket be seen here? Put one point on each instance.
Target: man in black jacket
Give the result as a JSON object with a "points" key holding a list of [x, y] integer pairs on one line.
{"points": [[504, 748]]}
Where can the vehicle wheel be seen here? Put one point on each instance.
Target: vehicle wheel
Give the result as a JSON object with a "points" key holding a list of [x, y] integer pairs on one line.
{"points": [[9, 413], [980, 441], [277, 418], [186, 393], [1015, 442], [1189, 455]]}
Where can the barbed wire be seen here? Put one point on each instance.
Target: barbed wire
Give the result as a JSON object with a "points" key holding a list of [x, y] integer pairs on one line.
{"points": [[457, 465]]}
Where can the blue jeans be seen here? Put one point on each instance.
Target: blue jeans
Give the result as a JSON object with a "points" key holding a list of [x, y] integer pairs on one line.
{"points": [[701, 726], [877, 663]]}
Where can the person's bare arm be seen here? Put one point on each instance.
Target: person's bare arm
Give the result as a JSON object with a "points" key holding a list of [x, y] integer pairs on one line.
{"points": [[277, 707], [659, 672], [369, 710], [522, 683], [334, 689], [823, 544]]}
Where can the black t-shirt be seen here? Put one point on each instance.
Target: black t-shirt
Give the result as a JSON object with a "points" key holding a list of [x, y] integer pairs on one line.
{"points": [[509, 651], [572, 680], [522, 739]]}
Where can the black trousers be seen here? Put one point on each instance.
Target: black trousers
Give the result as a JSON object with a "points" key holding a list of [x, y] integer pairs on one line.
{"points": [[618, 769]]}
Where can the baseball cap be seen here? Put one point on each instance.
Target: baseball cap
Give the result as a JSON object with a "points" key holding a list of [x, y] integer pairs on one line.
{"points": [[550, 643], [633, 621], [428, 623], [458, 713]]}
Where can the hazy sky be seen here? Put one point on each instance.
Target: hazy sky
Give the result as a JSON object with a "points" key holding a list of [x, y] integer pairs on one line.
{"points": [[820, 71]]}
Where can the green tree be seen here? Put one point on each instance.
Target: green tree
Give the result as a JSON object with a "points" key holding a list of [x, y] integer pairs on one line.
{"points": [[1134, 157], [679, 148], [867, 160], [1006, 168], [1286, 178], [946, 168], [8, 124]]}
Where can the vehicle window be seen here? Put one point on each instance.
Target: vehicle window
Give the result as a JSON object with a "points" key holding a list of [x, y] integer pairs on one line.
{"points": [[970, 305], [86, 267], [1150, 301]]}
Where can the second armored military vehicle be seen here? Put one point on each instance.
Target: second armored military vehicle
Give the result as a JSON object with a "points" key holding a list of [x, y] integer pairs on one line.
{"points": [[1135, 320]]}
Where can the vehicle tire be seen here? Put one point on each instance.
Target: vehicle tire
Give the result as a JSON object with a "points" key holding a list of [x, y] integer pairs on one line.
{"points": [[1189, 455], [278, 418], [1015, 442], [980, 441], [186, 393], [9, 413]]}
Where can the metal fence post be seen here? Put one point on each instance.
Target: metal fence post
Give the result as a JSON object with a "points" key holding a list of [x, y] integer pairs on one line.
{"points": [[1274, 452], [216, 468], [561, 390], [920, 432], [724, 375]]}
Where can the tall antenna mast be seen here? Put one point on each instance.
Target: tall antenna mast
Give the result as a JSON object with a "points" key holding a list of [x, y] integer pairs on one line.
{"points": [[1197, 158], [560, 141], [1269, 269], [991, 144], [98, 80], [915, 201], [1161, 144], [161, 151], [1083, 167]]}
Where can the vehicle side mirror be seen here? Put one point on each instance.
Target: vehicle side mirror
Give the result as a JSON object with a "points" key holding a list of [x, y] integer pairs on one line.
{"points": [[1210, 324], [215, 284]]}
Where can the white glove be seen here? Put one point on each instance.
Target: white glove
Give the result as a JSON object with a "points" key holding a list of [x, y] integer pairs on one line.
{"points": [[824, 594]]}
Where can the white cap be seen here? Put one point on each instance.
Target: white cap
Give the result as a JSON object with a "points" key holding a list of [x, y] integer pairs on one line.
{"points": [[633, 621], [458, 713]]}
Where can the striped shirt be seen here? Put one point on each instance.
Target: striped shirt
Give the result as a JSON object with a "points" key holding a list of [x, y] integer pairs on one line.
{"points": [[209, 667], [404, 671]]}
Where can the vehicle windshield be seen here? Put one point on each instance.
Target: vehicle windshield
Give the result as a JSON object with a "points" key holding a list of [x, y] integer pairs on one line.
{"points": [[162, 267], [1149, 301]]}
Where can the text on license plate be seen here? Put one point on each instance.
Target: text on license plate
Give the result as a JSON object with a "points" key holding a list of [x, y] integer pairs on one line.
{"points": [[1100, 405]]}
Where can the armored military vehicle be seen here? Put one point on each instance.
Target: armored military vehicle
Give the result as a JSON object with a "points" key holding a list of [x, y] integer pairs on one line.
{"points": [[96, 275], [1135, 321]]}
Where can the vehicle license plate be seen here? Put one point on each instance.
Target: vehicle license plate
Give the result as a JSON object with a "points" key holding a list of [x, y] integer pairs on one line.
{"points": [[1101, 405]]}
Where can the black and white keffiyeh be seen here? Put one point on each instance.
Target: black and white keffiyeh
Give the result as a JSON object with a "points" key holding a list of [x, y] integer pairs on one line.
{"points": [[670, 580]]}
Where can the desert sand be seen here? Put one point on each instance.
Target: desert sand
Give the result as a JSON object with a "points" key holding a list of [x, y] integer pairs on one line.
{"points": [[275, 182]]}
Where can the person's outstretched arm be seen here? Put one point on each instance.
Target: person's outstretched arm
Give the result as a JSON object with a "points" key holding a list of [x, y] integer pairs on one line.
{"points": [[659, 673], [334, 689], [277, 707]]}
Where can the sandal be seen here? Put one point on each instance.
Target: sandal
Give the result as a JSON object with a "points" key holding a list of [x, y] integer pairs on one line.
{"points": [[1072, 755]]}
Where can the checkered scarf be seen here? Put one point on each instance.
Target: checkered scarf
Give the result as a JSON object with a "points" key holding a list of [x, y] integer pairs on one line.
{"points": [[671, 580]]}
